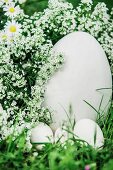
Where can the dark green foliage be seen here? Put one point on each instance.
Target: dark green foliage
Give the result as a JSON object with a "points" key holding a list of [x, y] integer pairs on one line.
{"points": [[3, 19], [32, 6]]}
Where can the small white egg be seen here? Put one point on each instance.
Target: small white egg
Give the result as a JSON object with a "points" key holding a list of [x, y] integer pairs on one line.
{"points": [[41, 135], [1, 109], [89, 131], [61, 135]]}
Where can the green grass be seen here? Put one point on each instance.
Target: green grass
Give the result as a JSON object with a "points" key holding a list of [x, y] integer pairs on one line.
{"points": [[13, 155]]}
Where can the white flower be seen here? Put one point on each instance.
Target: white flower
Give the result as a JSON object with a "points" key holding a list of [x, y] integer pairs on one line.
{"points": [[86, 1], [35, 154], [2, 2], [21, 1], [11, 10], [13, 28], [4, 37]]}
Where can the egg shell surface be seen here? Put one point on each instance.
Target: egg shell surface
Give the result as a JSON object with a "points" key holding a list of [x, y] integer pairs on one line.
{"points": [[90, 132], [85, 78], [41, 134], [1, 109]]}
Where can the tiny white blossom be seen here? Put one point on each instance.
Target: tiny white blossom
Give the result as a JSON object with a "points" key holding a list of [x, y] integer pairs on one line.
{"points": [[22, 1], [86, 1]]}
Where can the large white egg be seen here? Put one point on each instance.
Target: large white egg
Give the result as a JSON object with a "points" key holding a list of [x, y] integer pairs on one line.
{"points": [[90, 132], [85, 71], [1, 109], [41, 135]]}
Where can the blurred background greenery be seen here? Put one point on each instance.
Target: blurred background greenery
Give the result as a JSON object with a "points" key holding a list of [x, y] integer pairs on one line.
{"points": [[32, 6]]}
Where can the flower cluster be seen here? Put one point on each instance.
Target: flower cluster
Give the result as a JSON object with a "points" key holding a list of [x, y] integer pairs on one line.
{"points": [[12, 27], [60, 19], [27, 61], [57, 20]]}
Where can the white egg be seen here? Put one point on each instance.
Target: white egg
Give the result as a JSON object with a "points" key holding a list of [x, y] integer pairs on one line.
{"points": [[85, 76], [89, 131], [61, 135], [1, 109], [41, 135]]}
